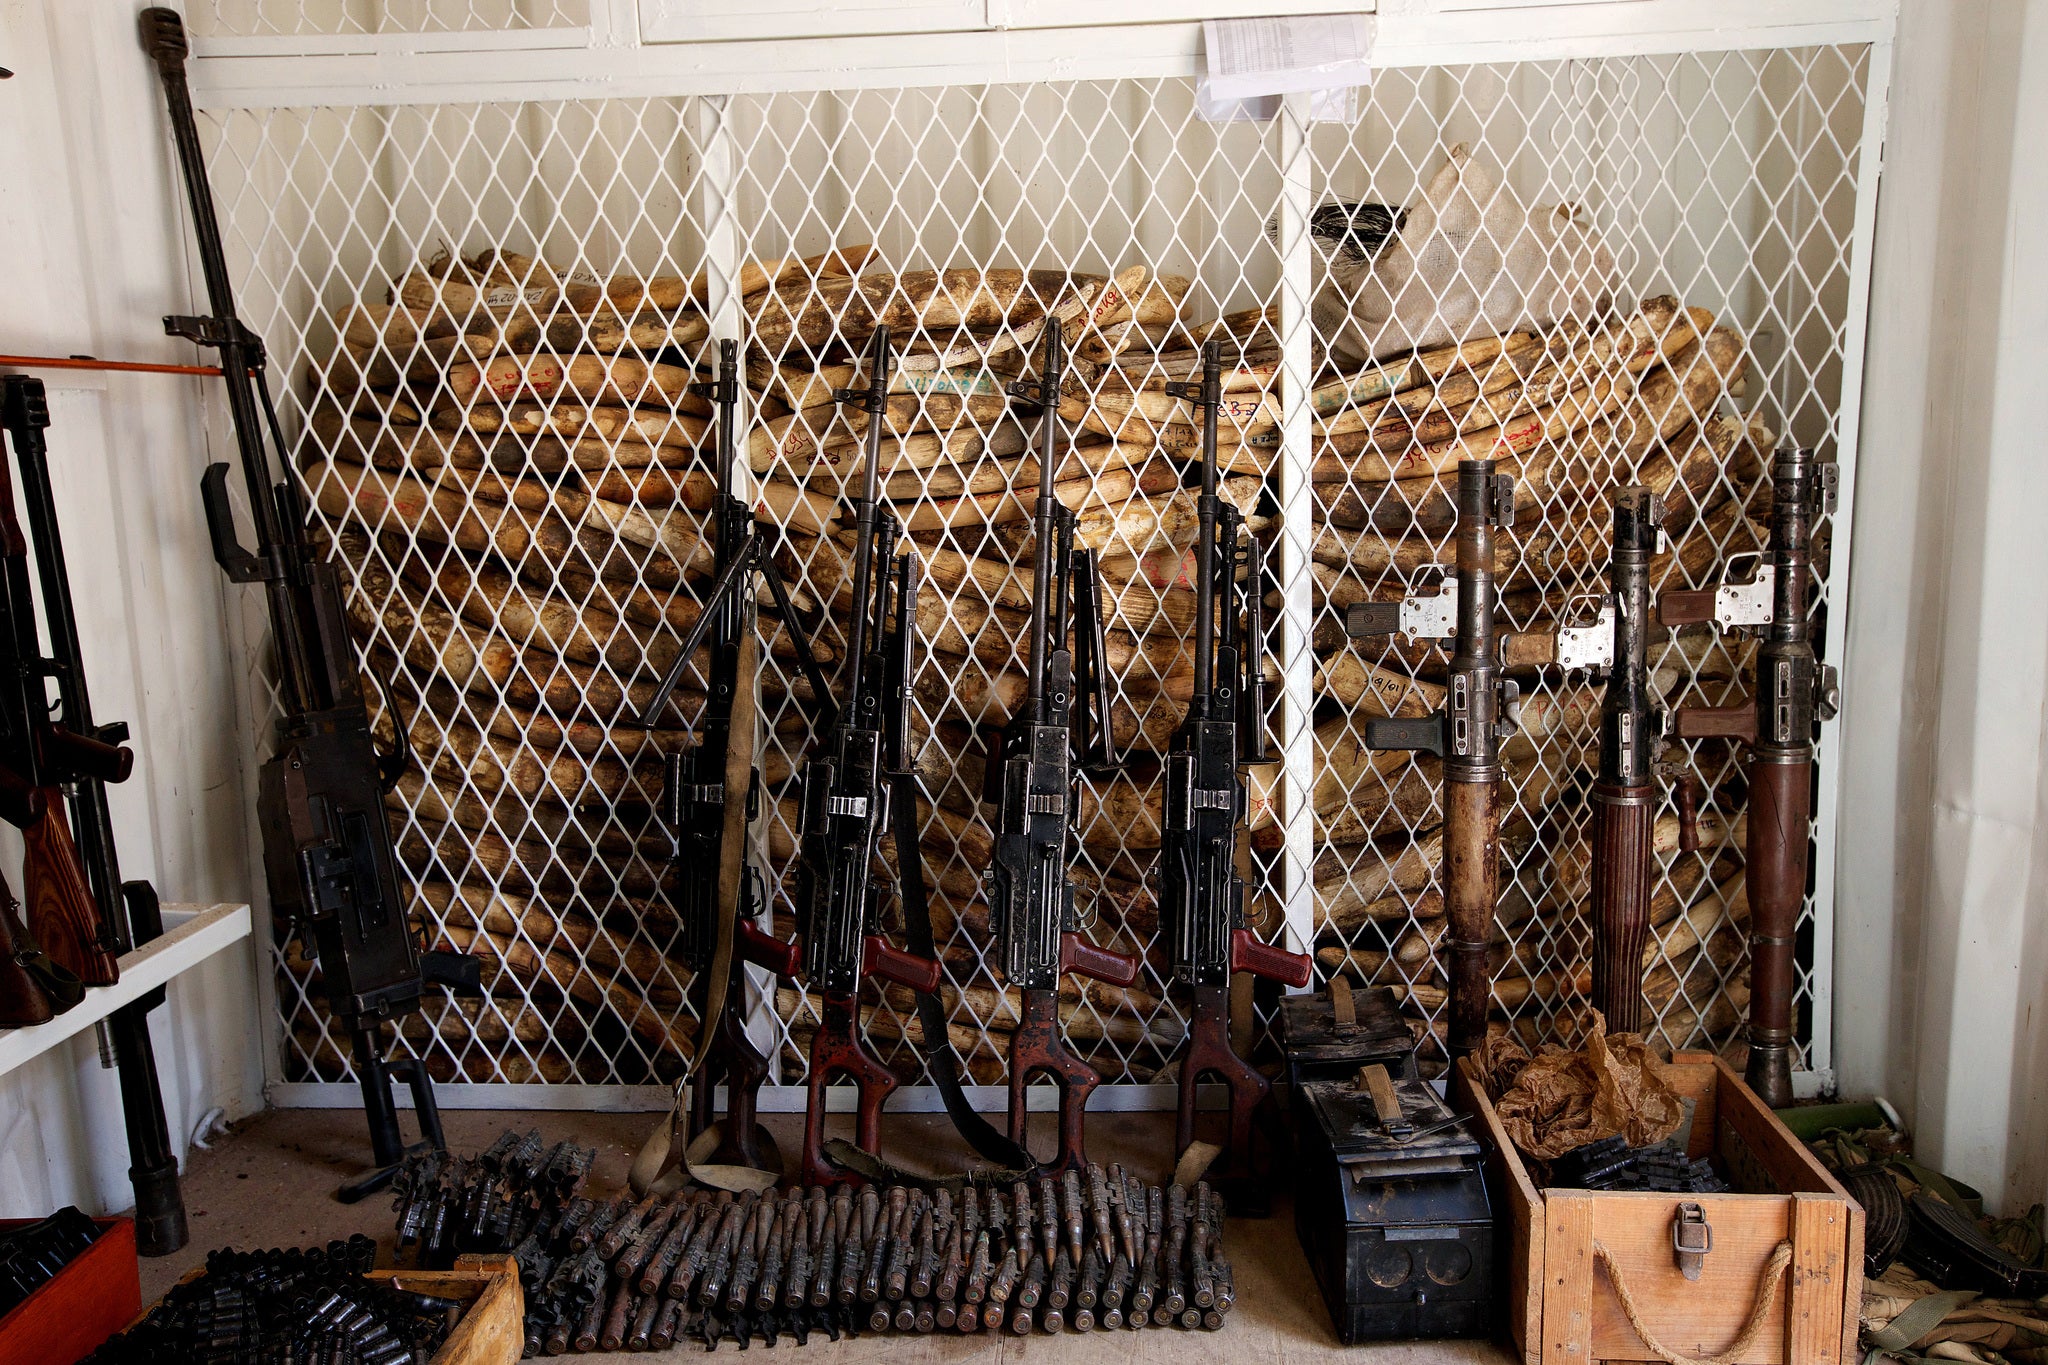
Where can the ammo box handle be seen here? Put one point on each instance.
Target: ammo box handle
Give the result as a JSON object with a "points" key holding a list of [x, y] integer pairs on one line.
{"points": [[1766, 1298]]}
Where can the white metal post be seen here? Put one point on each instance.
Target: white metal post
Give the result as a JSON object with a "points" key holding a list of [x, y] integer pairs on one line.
{"points": [[1297, 530], [1827, 807]]}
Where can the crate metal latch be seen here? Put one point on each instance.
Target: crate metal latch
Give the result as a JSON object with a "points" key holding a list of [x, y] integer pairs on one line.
{"points": [[1692, 1237]]}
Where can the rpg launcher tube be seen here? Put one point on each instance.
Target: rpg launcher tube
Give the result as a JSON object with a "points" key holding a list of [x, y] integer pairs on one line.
{"points": [[1623, 797], [1793, 691], [1478, 713]]}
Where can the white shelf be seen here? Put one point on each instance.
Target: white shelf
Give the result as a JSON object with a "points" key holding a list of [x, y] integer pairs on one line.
{"points": [[192, 934]]}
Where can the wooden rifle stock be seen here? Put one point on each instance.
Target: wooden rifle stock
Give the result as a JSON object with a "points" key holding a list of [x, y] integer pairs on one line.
{"points": [[61, 911]]}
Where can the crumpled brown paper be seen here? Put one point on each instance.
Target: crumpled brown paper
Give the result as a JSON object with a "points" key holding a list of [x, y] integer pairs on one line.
{"points": [[1561, 1099]]}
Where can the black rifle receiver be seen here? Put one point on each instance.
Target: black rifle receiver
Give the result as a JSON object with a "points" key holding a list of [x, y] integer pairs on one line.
{"points": [[850, 782], [327, 850], [1033, 782], [1202, 895]]}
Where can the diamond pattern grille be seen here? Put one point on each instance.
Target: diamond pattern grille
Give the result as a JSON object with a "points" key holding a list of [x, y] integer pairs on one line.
{"points": [[512, 473]]}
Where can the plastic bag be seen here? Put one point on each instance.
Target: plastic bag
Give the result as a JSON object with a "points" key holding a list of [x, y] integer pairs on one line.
{"points": [[1562, 1099], [1470, 260]]}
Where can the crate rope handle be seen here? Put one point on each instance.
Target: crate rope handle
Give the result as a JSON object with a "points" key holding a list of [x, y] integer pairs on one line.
{"points": [[1766, 1299]]}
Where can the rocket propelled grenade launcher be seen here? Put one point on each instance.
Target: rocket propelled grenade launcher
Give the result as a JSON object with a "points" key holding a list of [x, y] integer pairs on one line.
{"points": [[710, 795], [1624, 796], [1793, 692], [1480, 709], [1033, 781], [327, 850], [1201, 895], [848, 786]]}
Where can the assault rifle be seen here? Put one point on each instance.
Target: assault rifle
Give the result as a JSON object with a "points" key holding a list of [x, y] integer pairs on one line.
{"points": [[79, 906], [711, 793], [327, 850], [850, 784], [1480, 710], [1201, 894], [1793, 692], [1032, 780]]}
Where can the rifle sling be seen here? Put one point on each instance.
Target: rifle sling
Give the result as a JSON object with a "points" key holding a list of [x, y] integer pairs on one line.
{"points": [[656, 1169], [989, 1142]]}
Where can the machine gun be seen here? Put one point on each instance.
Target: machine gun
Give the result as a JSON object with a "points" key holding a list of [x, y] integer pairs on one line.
{"points": [[1616, 642], [1201, 894], [1480, 710], [1032, 781], [1793, 692], [711, 792], [327, 849], [78, 904], [849, 785]]}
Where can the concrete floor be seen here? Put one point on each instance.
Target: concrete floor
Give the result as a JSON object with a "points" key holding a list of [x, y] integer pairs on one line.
{"points": [[272, 1184]]}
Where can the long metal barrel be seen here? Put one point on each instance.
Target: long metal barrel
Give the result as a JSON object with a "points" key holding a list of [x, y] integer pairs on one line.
{"points": [[242, 366], [875, 403], [1205, 533], [1042, 618]]}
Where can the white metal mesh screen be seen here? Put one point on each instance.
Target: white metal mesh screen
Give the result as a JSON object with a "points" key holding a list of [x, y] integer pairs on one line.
{"points": [[512, 472]]}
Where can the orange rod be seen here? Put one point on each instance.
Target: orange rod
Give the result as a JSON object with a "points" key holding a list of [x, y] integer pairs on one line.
{"points": [[86, 362]]}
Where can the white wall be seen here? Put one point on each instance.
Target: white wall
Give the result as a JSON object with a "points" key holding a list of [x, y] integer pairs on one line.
{"points": [[95, 255], [1943, 940]]}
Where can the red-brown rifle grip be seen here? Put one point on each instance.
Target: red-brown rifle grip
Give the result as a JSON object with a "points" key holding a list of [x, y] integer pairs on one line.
{"points": [[1624, 822], [1247, 954], [1209, 1052], [1780, 809], [753, 944], [1686, 607], [1036, 1047], [836, 1049], [1080, 956], [897, 967], [61, 911], [1471, 888]]}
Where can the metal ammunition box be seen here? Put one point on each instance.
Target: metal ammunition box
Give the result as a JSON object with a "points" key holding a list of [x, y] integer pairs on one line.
{"points": [[1331, 1034], [1394, 1215]]}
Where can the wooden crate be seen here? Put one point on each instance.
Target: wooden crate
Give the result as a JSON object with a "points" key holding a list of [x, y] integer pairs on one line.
{"points": [[493, 1327], [1562, 1306], [82, 1305]]}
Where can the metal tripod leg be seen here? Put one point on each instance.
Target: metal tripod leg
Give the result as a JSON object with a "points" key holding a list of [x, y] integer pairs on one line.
{"points": [[387, 1146]]}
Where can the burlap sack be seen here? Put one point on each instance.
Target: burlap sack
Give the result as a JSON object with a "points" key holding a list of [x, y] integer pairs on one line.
{"points": [[1471, 260]]}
